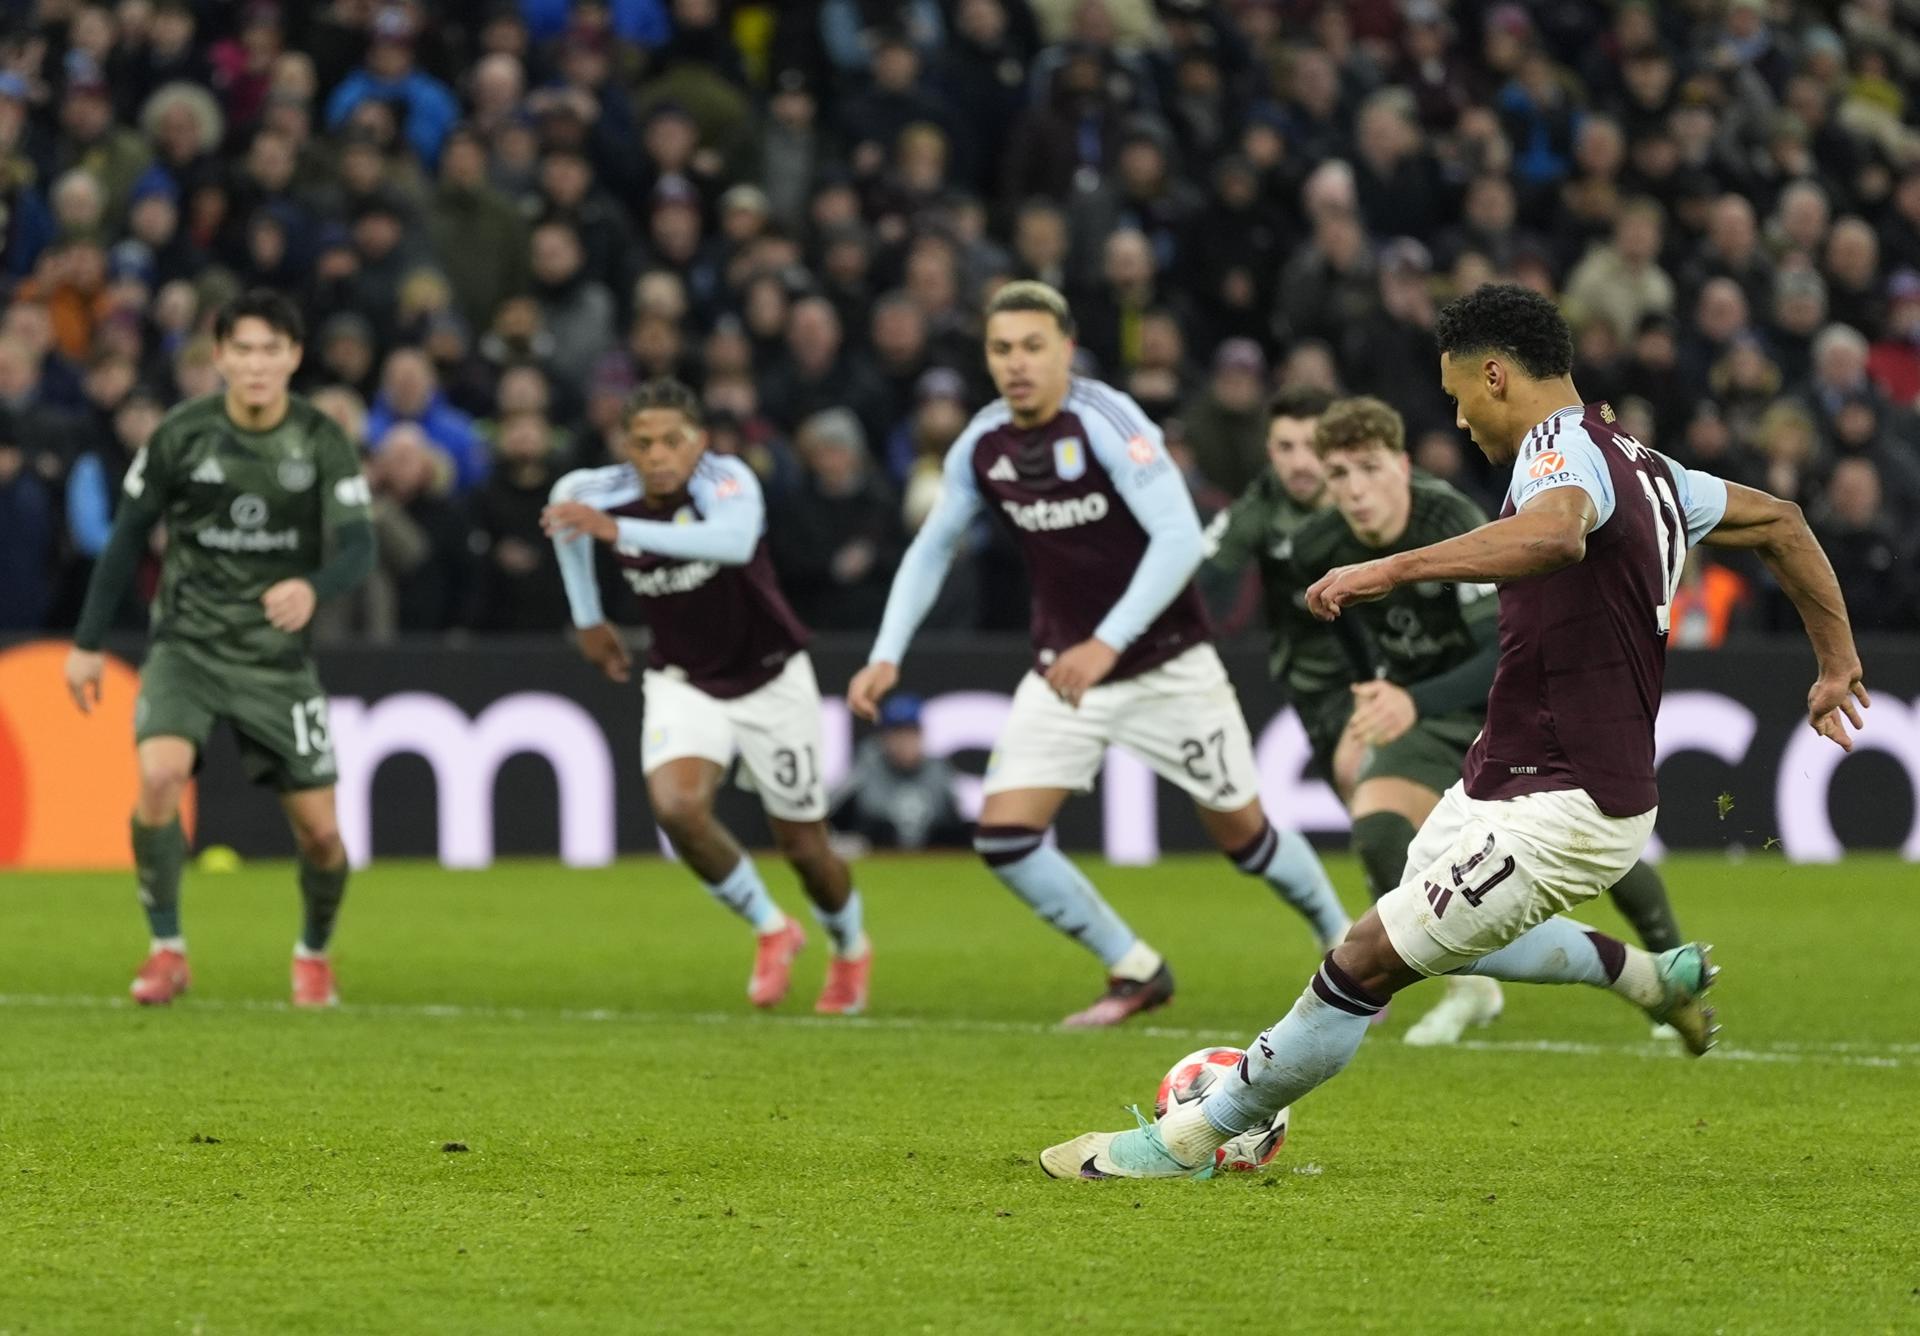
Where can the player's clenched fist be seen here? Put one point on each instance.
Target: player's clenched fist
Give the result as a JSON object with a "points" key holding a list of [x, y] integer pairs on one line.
{"points": [[564, 519], [869, 687], [289, 604], [1348, 584], [1081, 668], [602, 647]]}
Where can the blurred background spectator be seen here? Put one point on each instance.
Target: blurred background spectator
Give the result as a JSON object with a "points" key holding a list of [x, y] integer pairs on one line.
{"points": [[896, 796], [499, 217]]}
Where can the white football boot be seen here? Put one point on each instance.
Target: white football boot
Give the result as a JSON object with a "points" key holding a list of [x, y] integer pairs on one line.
{"points": [[1470, 1000]]}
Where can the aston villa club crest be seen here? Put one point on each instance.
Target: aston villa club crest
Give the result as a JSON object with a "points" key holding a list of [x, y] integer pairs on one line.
{"points": [[1069, 458]]}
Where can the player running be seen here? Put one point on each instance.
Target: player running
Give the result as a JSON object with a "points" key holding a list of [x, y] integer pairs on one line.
{"points": [[251, 484], [1428, 650], [727, 671], [1111, 541], [1559, 793]]}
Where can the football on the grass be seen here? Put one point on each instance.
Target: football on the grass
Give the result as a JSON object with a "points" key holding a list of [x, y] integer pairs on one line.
{"points": [[1191, 1078]]}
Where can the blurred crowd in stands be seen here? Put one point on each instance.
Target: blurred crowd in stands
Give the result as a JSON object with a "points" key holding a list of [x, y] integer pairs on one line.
{"points": [[499, 218]]}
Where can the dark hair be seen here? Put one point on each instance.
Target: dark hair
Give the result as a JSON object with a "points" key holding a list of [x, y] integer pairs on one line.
{"points": [[1030, 295], [1511, 320], [1353, 424], [277, 310], [1300, 401], [664, 392]]}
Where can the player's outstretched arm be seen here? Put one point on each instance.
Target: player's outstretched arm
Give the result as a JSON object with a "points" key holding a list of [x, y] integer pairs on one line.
{"points": [[1549, 533], [1778, 532], [923, 569]]}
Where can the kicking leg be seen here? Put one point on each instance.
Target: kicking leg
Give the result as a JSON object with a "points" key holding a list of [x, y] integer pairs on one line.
{"points": [[1307, 1047], [1284, 860], [159, 854], [682, 792], [1011, 838], [836, 903]]}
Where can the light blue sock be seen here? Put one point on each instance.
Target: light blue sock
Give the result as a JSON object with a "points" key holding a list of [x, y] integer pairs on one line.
{"points": [[1562, 951], [1286, 862], [845, 926], [746, 895], [1054, 889], [1310, 1045]]}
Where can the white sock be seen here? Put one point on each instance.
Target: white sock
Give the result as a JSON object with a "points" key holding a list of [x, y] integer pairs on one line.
{"points": [[301, 951], [1138, 962], [170, 944]]}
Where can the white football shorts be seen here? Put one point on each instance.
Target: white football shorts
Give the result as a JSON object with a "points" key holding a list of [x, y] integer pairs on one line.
{"points": [[1480, 873], [1182, 718], [774, 729]]}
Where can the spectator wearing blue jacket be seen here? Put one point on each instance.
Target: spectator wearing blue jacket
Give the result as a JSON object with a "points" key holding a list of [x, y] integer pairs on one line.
{"points": [[410, 392], [430, 107], [642, 21]]}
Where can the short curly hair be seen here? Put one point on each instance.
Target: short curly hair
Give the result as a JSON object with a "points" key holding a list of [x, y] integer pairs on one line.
{"points": [[1351, 424], [1511, 320]]}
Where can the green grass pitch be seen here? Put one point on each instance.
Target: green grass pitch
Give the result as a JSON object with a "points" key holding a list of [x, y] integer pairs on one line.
{"points": [[643, 1154]]}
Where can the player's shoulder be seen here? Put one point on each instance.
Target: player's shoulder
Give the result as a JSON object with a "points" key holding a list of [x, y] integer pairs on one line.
{"points": [[988, 420], [190, 416], [610, 484], [1099, 405], [725, 476]]}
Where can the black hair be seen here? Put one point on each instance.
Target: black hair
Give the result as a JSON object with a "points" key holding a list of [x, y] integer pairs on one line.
{"points": [[1508, 319], [276, 309], [1300, 401], [665, 392]]}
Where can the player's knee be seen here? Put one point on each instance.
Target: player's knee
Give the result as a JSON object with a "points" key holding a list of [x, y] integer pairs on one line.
{"points": [[1380, 842], [999, 846], [1367, 956], [321, 846], [681, 811], [801, 842], [162, 782]]}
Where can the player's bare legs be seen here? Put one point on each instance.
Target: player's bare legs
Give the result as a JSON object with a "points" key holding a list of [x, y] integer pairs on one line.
{"points": [[159, 853], [1011, 839], [829, 884], [1284, 860], [682, 793], [323, 885]]}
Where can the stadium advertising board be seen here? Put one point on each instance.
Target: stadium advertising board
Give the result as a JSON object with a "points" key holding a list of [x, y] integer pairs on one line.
{"points": [[469, 754]]}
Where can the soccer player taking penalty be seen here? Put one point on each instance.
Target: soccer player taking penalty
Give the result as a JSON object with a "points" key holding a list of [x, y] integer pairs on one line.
{"points": [[1080, 477], [1402, 732], [1559, 793], [727, 671], [251, 484]]}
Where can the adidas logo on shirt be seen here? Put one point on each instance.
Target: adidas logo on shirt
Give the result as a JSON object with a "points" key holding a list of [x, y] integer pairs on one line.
{"points": [[1003, 470], [208, 470]]}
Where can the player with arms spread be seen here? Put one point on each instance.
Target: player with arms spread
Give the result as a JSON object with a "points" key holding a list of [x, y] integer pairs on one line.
{"points": [[251, 484], [1403, 730], [727, 671], [1559, 793], [1111, 542]]}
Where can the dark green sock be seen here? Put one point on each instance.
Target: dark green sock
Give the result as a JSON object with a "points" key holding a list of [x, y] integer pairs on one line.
{"points": [[159, 852], [321, 891], [1381, 840], [1641, 898]]}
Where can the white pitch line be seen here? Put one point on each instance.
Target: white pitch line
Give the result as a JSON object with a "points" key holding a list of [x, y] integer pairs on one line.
{"points": [[1838, 1054]]}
